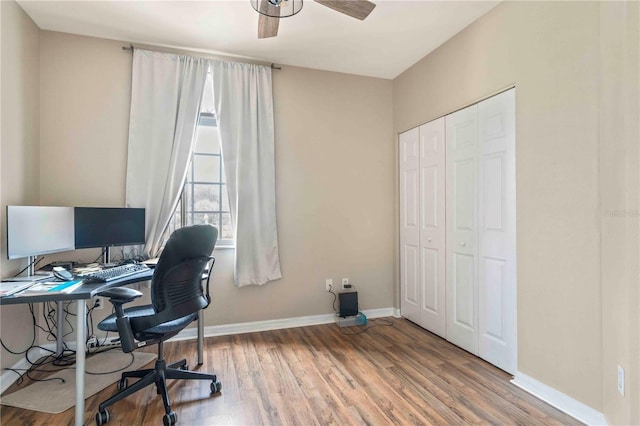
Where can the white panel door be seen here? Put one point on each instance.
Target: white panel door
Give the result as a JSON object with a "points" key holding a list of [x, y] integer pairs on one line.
{"points": [[497, 226], [462, 228], [410, 271], [432, 227]]}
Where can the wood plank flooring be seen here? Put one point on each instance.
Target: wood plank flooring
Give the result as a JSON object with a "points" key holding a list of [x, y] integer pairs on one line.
{"points": [[394, 374]]}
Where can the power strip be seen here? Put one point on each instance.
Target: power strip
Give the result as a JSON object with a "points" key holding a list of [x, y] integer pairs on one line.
{"points": [[94, 343]]}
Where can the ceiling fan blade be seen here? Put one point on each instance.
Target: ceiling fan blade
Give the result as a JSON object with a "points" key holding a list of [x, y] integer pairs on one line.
{"points": [[358, 9], [268, 25]]}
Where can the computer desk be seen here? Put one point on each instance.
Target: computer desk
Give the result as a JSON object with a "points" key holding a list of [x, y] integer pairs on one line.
{"points": [[87, 291]]}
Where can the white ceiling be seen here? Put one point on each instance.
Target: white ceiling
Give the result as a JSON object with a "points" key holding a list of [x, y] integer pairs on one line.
{"points": [[397, 34]]}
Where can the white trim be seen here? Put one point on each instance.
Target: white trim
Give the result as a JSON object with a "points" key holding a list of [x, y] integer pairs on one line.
{"points": [[557, 399], [251, 327], [230, 246]]}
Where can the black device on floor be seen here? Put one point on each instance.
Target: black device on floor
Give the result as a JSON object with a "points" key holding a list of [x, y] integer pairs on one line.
{"points": [[348, 303]]}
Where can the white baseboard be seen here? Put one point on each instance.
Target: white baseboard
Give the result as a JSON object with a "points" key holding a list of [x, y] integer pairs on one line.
{"points": [[9, 377], [557, 399], [251, 327]]}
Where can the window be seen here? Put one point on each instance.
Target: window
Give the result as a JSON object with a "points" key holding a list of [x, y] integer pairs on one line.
{"points": [[204, 196]]}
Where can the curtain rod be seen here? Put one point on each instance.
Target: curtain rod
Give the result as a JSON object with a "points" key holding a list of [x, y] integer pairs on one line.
{"points": [[130, 48]]}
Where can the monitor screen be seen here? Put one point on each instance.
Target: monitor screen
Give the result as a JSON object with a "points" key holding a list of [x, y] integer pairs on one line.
{"points": [[36, 230], [106, 227]]}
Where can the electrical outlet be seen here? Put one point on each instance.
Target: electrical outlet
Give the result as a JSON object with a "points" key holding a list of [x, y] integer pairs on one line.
{"points": [[328, 284], [345, 283], [621, 380], [92, 342], [98, 302]]}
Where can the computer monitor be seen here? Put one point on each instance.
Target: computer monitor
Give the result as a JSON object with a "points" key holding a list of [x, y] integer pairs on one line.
{"points": [[108, 226], [37, 230]]}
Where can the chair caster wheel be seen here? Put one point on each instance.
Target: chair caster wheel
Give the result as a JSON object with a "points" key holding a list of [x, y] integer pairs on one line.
{"points": [[216, 387], [185, 367], [122, 384], [102, 417], [170, 419]]}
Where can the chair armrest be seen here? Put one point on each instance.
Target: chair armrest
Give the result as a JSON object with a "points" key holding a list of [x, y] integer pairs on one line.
{"points": [[118, 296]]}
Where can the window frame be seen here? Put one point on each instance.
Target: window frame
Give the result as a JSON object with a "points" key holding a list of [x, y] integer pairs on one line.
{"points": [[205, 119]]}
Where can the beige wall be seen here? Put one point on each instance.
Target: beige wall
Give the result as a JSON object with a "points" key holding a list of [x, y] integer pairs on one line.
{"points": [[85, 93], [19, 151], [619, 188], [334, 183], [552, 52], [334, 173]]}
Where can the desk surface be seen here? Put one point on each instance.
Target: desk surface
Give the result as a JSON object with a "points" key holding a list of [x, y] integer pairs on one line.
{"points": [[85, 291]]}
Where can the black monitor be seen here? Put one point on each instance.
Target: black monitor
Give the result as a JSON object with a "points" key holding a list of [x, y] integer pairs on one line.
{"points": [[108, 226], [37, 230]]}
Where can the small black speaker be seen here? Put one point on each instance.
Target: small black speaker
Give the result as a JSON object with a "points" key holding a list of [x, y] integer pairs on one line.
{"points": [[348, 304]]}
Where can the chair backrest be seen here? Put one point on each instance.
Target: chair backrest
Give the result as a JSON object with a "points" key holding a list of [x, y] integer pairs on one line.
{"points": [[176, 286]]}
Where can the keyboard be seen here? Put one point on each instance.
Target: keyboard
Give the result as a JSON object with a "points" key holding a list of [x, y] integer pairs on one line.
{"points": [[115, 273]]}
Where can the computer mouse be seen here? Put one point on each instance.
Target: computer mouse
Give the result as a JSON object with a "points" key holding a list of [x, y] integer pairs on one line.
{"points": [[62, 274]]}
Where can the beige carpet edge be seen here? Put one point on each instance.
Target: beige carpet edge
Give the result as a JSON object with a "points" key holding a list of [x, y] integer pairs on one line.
{"points": [[56, 396]]}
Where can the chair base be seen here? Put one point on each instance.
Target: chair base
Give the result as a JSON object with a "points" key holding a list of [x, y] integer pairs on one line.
{"points": [[158, 375]]}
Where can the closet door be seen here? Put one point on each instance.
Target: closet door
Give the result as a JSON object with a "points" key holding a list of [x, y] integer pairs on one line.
{"points": [[497, 237], [481, 230], [409, 163], [462, 228], [432, 227]]}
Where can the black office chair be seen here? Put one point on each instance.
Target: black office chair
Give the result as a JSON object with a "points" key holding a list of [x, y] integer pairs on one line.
{"points": [[177, 296]]}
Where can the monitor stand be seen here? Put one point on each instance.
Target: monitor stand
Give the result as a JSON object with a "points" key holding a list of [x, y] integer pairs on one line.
{"points": [[106, 256], [31, 273], [32, 265]]}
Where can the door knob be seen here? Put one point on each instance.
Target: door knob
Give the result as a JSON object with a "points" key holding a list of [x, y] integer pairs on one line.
{"points": [[462, 243]]}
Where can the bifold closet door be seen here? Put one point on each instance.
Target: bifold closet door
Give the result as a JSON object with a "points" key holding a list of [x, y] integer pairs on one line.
{"points": [[433, 227], [481, 230], [409, 170], [462, 228], [422, 226], [497, 231]]}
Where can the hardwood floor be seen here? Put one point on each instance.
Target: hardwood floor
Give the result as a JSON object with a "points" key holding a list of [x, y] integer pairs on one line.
{"points": [[322, 375]]}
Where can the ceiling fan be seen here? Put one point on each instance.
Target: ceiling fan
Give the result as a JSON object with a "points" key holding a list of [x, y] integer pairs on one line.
{"points": [[272, 10]]}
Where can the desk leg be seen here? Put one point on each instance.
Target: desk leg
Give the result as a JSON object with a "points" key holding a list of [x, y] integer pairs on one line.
{"points": [[60, 329], [80, 354], [200, 335]]}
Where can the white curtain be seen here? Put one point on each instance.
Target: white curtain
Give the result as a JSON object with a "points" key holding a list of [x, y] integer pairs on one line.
{"points": [[244, 111], [165, 103]]}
